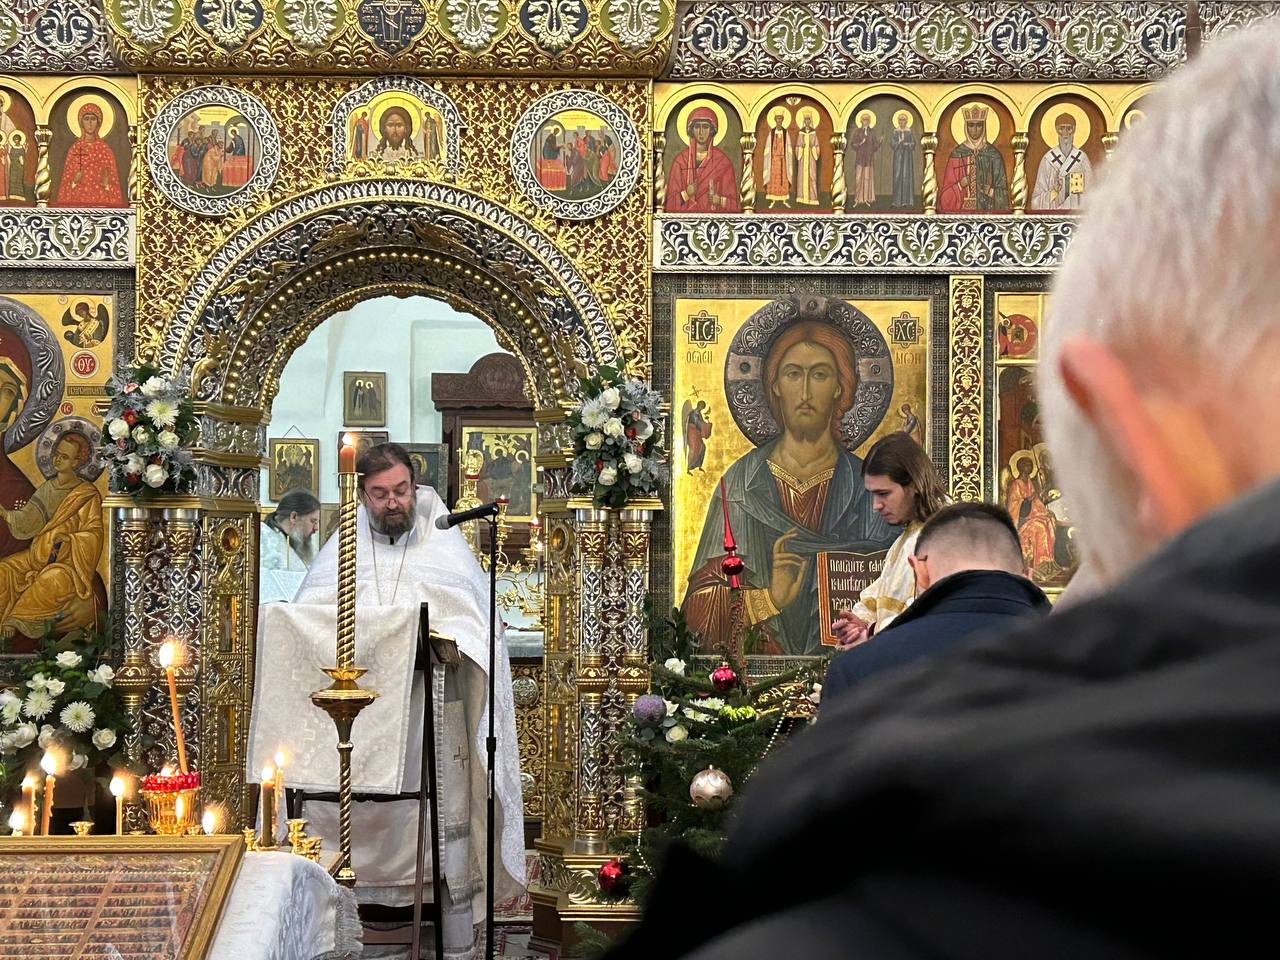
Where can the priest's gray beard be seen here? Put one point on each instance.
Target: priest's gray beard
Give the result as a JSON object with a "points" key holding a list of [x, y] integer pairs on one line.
{"points": [[394, 521], [304, 547]]}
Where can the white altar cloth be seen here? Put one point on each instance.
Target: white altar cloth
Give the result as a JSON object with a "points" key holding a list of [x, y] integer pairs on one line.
{"points": [[285, 907]]}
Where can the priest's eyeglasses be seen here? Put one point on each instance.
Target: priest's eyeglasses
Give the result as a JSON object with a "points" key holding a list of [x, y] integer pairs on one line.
{"points": [[382, 497]]}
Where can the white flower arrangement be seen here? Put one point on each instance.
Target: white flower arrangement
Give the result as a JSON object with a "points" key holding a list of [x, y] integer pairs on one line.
{"points": [[149, 428], [63, 699], [617, 440]]}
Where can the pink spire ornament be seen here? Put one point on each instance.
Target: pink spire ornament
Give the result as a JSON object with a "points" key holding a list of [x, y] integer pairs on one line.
{"points": [[731, 566]]}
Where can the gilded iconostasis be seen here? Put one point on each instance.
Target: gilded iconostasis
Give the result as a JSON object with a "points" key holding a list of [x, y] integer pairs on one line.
{"points": [[427, 220]]}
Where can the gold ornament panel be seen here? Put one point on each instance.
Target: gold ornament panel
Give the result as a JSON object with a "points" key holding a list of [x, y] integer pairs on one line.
{"points": [[459, 37], [612, 252]]}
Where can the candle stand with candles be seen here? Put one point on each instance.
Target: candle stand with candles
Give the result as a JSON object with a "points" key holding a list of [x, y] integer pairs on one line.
{"points": [[172, 802]]}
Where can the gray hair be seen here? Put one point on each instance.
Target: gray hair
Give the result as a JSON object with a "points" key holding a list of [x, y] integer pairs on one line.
{"points": [[1176, 258]]}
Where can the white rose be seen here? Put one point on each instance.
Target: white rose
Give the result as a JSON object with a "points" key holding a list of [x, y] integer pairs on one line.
{"points": [[78, 760], [155, 475], [6, 743], [594, 440], [634, 463], [54, 687], [676, 734], [609, 476], [37, 682], [613, 427], [118, 428], [103, 675], [152, 387], [167, 439], [134, 464], [644, 428], [68, 659], [675, 665], [9, 712], [7, 697], [24, 734], [46, 735], [141, 435], [611, 398], [104, 739]]}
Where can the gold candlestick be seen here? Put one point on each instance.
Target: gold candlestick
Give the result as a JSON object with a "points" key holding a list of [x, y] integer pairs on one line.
{"points": [[343, 699]]}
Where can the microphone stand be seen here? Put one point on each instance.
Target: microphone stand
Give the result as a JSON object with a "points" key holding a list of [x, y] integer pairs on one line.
{"points": [[491, 742]]}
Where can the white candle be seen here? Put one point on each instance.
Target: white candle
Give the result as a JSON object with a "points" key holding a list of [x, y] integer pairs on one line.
{"points": [[17, 822], [117, 791], [49, 764], [278, 783], [209, 821], [169, 655]]}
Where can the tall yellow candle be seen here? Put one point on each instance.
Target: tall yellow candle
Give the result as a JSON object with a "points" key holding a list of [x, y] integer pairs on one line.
{"points": [[49, 764], [267, 806], [29, 798], [279, 787], [117, 791], [168, 655]]}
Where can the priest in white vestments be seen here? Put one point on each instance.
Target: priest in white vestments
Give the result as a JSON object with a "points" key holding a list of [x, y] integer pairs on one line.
{"points": [[403, 560]]}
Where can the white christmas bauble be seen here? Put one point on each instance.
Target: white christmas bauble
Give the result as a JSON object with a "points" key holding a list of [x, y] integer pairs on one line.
{"points": [[710, 788]]}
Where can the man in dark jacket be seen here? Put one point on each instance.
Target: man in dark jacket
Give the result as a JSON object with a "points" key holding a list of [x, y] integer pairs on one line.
{"points": [[968, 565], [1103, 783]]}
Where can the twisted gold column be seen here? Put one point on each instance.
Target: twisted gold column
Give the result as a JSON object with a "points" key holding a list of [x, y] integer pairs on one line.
{"points": [[839, 188], [43, 177], [344, 699], [1018, 188], [747, 186], [633, 675], [659, 176], [135, 163], [929, 180], [590, 830]]}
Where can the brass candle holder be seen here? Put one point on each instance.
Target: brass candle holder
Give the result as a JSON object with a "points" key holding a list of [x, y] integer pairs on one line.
{"points": [[343, 699], [172, 812]]}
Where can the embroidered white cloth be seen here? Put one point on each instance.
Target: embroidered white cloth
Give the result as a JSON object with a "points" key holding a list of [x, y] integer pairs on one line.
{"points": [[891, 592], [283, 907], [296, 639]]}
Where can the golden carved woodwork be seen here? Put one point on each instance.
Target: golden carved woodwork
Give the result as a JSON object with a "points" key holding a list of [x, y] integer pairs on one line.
{"points": [[965, 406]]}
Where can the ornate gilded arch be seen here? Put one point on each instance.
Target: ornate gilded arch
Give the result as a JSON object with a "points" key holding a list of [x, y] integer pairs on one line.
{"points": [[257, 293]]}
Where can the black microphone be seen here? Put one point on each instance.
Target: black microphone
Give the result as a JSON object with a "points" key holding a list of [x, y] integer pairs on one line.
{"points": [[462, 516]]}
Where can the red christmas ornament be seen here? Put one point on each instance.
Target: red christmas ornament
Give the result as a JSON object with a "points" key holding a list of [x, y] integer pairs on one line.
{"points": [[724, 678], [731, 566], [612, 875]]}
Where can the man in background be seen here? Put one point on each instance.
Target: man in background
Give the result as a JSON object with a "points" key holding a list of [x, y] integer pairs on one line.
{"points": [[969, 579], [1102, 783]]}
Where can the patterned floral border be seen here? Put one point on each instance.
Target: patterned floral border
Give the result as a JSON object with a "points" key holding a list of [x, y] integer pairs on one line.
{"points": [[453, 128], [55, 36], [930, 40], [169, 117], [47, 372], [888, 244], [628, 154], [66, 238]]}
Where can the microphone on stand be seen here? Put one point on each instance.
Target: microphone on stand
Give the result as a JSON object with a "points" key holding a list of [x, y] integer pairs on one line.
{"points": [[462, 516]]}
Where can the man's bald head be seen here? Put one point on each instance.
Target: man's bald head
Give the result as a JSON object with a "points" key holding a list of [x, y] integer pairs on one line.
{"points": [[966, 536]]}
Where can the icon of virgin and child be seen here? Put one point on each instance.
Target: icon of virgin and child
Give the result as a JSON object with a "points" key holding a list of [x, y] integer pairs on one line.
{"points": [[800, 491]]}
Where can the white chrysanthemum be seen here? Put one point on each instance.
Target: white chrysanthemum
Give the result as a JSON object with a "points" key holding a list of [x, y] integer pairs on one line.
{"points": [[11, 710], [103, 674], [709, 703], [593, 414], [77, 716], [153, 386], [104, 739], [38, 704], [163, 413], [68, 659]]}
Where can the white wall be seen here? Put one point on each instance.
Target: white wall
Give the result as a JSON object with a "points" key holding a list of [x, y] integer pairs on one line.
{"points": [[409, 339]]}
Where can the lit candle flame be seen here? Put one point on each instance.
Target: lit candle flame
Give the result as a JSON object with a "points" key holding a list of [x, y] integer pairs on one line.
{"points": [[209, 821], [268, 774], [17, 822], [28, 782], [348, 439], [49, 763], [166, 771], [178, 808], [117, 786], [279, 758], [168, 654]]}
